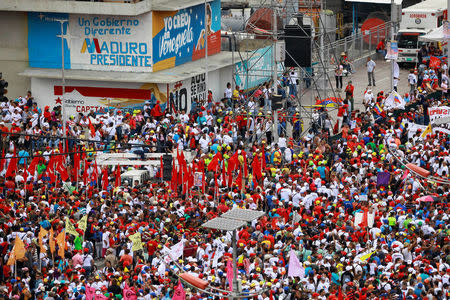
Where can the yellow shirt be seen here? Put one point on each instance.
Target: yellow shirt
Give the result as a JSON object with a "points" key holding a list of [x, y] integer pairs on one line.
{"points": [[235, 95]]}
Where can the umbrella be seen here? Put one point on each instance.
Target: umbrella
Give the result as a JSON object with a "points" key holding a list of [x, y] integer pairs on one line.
{"points": [[426, 199]]}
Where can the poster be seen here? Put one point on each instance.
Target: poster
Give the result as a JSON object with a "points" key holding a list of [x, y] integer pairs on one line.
{"points": [[179, 36], [256, 69], [92, 42], [392, 50], [198, 179]]}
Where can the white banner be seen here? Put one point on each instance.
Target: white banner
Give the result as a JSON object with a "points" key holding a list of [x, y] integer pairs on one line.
{"points": [[394, 101], [359, 217], [437, 112]]}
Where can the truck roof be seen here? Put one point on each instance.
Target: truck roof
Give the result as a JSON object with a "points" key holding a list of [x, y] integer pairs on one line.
{"points": [[428, 5], [413, 30]]}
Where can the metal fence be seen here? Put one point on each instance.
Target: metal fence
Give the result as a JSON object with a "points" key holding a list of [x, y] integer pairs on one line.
{"points": [[356, 46]]}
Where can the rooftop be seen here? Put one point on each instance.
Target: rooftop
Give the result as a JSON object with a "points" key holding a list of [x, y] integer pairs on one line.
{"points": [[105, 7], [171, 75]]}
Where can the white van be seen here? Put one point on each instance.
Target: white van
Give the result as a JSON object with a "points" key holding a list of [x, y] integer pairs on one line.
{"points": [[135, 177], [417, 20]]}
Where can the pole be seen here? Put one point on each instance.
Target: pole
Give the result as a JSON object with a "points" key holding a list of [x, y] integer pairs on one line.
{"points": [[392, 38], [63, 112], [206, 54], [274, 67], [233, 70], [448, 42], [234, 246]]}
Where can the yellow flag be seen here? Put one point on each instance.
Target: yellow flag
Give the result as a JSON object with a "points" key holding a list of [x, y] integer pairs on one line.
{"points": [[61, 240], [82, 223], [70, 228], [51, 241], [137, 243], [42, 233], [366, 256], [17, 252], [426, 132], [11, 259], [19, 248]]}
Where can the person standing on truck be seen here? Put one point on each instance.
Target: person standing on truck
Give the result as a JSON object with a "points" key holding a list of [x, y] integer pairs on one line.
{"points": [[423, 52], [371, 71]]}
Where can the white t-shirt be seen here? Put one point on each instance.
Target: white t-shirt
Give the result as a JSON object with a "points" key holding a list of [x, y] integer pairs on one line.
{"points": [[228, 93], [371, 66]]}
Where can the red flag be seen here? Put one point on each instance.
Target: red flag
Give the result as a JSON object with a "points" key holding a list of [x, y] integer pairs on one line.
{"points": [[245, 164], [340, 295], [61, 168], [2, 161], [271, 295], [118, 180], [85, 173], [203, 181], [94, 174], [263, 159], [173, 182], [229, 270], [33, 164], [233, 162], [50, 171], [91, 127], [274, 222], [179, 293], [239, 179], [105, 182], [365, 220], [435, 62], [76, 164], [162, 167], [215, 162], [12, 167], [256, 167]]}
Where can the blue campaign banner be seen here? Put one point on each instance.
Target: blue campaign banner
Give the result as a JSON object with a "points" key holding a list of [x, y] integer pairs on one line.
{"points": [[44, 45], [179, 37], [91, 42]]}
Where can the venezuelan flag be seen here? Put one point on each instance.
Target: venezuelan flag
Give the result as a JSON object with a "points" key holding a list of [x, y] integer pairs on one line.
{"points": [[378, 109]]}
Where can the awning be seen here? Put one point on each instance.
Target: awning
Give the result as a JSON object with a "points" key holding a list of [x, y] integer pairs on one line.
{"points": [[435, 35], [171, 75], [398, 2]]}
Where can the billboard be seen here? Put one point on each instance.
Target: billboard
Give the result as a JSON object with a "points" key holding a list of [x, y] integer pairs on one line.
{"points": [[179, 36], [92, 42]]}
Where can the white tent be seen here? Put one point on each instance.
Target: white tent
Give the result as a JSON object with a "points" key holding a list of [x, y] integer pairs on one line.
{"points": [[435, 35]]}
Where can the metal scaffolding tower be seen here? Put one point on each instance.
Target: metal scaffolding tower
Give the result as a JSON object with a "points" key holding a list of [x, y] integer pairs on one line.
{"points": [[324, 58]]}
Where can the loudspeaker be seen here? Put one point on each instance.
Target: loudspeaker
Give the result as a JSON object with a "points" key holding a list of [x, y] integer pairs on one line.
{"points": [[276, 102], [167, 167], [298, 46]]}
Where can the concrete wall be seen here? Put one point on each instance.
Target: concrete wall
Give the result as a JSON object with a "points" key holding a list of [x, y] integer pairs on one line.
{"points": [[14, 52]]}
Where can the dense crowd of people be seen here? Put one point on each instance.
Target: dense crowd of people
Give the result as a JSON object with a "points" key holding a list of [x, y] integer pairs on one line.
{"points": [[337, 198]]}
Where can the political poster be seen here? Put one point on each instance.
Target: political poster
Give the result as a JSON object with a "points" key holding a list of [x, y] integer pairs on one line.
{"points": [[180, 36], [392, 50], [198, 179], [91, 42]]}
